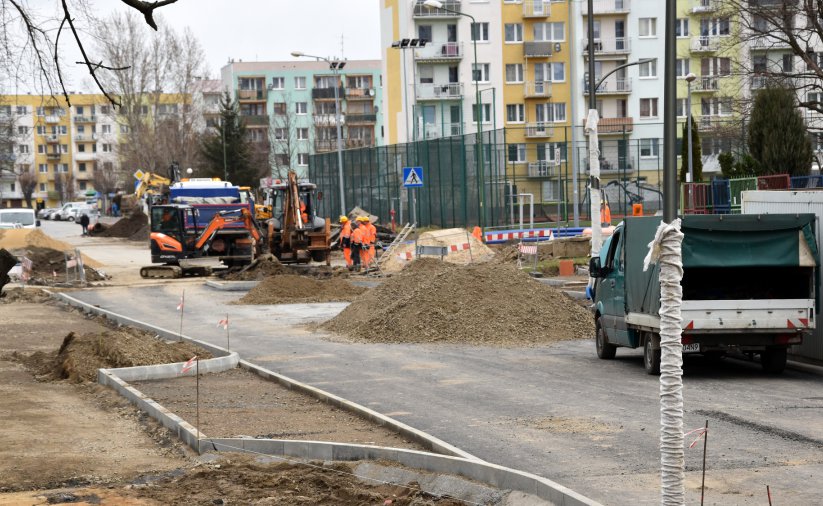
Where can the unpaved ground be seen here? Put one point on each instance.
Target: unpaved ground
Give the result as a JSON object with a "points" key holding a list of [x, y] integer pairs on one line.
{"points": [[238, 402], [490, 304], [291, 289]]}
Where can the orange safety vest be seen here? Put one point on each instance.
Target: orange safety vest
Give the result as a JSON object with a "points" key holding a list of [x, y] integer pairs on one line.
{"points": [[345, 232], [372, 231], [357, 236]]}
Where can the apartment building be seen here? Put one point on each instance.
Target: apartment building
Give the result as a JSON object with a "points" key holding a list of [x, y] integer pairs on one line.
{"points": [[290, 109]]}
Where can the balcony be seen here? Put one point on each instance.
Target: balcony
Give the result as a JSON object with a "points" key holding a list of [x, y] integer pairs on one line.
{"points": [[422, 11], [537, 49], [251, 95], [85, 137], [437, 52], [706, 84], [536, 8], [759, 82], [765, 43], [51, 138], [359, 94], [256, 120], [705, 6], [84, 119], [607, 7], [704, 44], [429, 91], [610, 87], [54, 156], [354, 143], [325, 145], [327, 93], [713, 122], [361, 119], [619, 45], [328, 119], [608, 126], [537, 89], [542, 168], [539, 130], [84, 156], [52, 119]]}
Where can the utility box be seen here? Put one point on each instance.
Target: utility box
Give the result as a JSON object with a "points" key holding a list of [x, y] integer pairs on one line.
{"points": [[784, 202]]}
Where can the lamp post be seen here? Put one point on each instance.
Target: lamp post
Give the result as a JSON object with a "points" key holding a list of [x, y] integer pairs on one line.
{"points": [[436, 4], [690, 77], [404, 44], [335, 66]]}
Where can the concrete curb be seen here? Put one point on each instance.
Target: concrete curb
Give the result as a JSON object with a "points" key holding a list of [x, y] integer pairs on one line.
{"points": [[232, 286], [498, 476]]}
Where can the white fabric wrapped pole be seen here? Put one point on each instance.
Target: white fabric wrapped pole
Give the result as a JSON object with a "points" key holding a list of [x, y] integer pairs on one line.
{"points": [[665, 250]]}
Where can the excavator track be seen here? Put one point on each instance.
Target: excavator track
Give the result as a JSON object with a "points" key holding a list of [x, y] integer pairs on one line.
{"points": [[161, 271]]}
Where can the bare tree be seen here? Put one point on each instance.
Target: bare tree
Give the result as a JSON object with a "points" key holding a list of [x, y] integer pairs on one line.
{"points": [[283, 137], [64, 185], [31, 41], [27, 179]]}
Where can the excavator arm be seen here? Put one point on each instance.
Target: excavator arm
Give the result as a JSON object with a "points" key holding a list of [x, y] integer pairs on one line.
{"points": [[219, 222]]}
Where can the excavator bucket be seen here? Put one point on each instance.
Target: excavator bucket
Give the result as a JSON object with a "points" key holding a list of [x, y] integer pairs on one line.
{"points": [[7, 261]]}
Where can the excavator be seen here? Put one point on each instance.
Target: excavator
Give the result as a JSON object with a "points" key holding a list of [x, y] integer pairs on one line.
{"points": [[295, 233], [232, 236]]}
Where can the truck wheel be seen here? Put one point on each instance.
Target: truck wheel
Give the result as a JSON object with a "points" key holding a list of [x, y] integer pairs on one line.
{"points": [[773, 360], [651, 357], [605, 350]]}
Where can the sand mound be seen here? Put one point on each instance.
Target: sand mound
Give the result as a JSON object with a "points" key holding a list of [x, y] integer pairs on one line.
{"points": [[292, 289], [22, 238], [13, 295], [127, 227], [486, 304], [79, 357], [48, 266], [458, 237]]}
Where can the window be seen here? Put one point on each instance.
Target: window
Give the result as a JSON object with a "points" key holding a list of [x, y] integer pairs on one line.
{"points": [[714, 26], [649, 148], [41, 148], [303, 134], [81, 185], [557, 112], [514, 32], [62, 167], [278, 83], [106, 148], [682, 67], [105, 109], [94, 148], [64, 148], [124, 129], [279, 133], [515, 113], [648, 70], [279, 109], [22, 130], [480, 32], [302, 158], [716, 106], [558, 72], [42, 187], [722, 66], [648, 27], [81, 148], [480, 72], [648, 107], [549, 32], [79, 110], [23, 149], [43, 168], [301, 107], [787, 63], [81, 166], [487, 113], [300, 83], [106, 129], [424, 32], [81, 129], [514, 72], [815, 98], [41, 111], [681, 27], [517, 153], [22, 109]]}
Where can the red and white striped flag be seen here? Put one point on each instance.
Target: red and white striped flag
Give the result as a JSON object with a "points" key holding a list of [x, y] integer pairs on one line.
{"points": [[182, 303], [223, 323], [188, 365]]}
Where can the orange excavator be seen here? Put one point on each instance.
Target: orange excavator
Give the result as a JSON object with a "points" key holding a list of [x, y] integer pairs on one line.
{"points": [[295, 233], [233, 237]]}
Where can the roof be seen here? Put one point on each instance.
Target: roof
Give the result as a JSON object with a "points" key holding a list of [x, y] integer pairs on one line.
{"points": [[297, 65]]}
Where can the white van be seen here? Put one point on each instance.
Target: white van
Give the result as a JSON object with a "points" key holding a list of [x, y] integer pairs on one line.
{"points": [[18, 217], [64, 212]]}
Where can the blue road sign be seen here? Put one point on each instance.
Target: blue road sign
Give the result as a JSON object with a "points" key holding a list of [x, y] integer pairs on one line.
{"points": [[413, 177]]}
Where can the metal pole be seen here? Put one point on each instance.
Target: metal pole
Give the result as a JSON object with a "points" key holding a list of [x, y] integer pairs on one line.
{"points": [[479, 129], [338, 120], [689, 128], [590, 19], [591, 140], [669, 119], [225, 166], [406, 94]]}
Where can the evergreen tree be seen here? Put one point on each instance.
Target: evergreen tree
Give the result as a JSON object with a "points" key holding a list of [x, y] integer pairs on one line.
{"points": [[778, 141], [231, 131], [697, 154]]}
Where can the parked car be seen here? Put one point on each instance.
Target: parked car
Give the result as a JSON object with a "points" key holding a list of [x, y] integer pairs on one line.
{"points": [[46, 212], [75, 213], [18, 218], [63, 212]]}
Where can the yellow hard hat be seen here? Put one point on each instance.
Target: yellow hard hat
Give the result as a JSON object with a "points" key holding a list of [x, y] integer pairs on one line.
{"points": [[344, 218], [359, 218], [365, 218]]}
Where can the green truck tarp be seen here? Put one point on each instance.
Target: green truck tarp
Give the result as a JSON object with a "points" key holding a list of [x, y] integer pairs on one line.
{"points": [[718, 241]]}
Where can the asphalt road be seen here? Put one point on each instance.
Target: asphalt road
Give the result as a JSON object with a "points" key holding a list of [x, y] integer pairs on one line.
{"points": [[556, 411]]}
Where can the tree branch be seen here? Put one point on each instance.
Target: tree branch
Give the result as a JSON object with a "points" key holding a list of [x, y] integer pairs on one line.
{"points": [[147, 8]]}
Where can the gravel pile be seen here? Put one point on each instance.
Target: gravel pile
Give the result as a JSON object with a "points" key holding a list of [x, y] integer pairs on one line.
{"points": [[488, 304], [135, 224], [292, 289]]}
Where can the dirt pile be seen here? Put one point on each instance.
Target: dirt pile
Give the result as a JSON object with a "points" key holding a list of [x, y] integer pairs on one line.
{"points": [[23, 238], [485, 304], [127, 227], [477, 252], [567, 247], [80, 356], [268, 266], [49, 266], [14, 295], [240, 479], [293, 289]]}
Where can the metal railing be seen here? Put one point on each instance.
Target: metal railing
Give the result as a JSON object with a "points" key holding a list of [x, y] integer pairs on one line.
{"points": [[537, 89], [610, 86], [328, 119], [424, 11], [707, 83], [449, 91], [359, 93], [52, 118], [542, 168], [607, 7], [325, 145], [54, 156], [706, 43], [607, 46], [440, 51], [540, 129], [536, 8], [323, 93], [85, 137], [256, 119], [354, 143], [84, 119], [766, 42], [51, 138], [251, 94], [713, 121], [361, 118], [705, 6], [537, 49]]}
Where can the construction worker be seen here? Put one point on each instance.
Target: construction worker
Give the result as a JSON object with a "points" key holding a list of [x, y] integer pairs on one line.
{"points": [[356, 244], [345, 239], [304, 216], [372, 239]]}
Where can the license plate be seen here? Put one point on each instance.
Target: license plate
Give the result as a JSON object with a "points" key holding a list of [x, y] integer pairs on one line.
{"points": [[691, 348]]}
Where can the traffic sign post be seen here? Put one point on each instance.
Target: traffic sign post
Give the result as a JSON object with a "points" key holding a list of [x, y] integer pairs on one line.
{"points": [[413, 179]]}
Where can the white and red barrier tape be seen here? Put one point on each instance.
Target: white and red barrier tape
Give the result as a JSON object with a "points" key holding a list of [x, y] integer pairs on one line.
{"points": [[454, 248], [527, 234]]}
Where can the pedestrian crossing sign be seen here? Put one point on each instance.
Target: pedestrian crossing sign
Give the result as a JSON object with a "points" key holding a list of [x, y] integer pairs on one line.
{"points": [[413, 177]]}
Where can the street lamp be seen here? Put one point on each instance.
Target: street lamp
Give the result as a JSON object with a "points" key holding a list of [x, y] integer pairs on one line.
{"points": [[335, 66], [690, 77], [404, 44], [436, 4]]}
